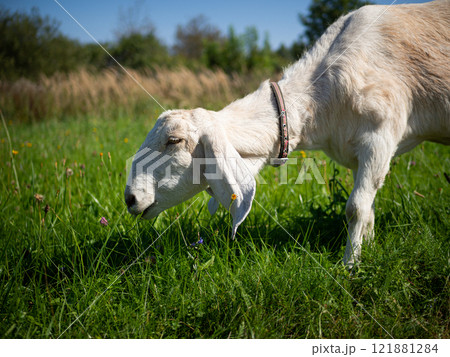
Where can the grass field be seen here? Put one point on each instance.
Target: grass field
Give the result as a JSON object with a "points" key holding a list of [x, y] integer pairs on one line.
{"points": [[64, 274]]}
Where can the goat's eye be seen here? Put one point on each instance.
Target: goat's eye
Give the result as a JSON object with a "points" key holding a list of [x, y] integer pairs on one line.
{"points": [[173, 140]]}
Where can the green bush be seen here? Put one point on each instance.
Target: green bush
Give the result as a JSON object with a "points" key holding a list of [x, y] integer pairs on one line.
{"points": [[32, 45]]}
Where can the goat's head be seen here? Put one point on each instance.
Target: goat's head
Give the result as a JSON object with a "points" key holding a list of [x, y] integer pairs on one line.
{"points": [[186, 152]]}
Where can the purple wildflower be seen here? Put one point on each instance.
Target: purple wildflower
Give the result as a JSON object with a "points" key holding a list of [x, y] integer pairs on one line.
{"points": [[103, 221], [412, 163], [200, 241]]}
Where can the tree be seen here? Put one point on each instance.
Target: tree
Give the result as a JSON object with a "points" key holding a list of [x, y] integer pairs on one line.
{"points": [[297, 50], [95, 56], [32, 45], [133, 20], [139, 51], [234, 53], [213, 54], [190, 39], [322, 13], [137, 45], [250, 43]]}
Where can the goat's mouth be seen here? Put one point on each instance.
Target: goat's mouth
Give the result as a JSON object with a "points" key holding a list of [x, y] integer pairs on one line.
{"points": [[146, 214]]}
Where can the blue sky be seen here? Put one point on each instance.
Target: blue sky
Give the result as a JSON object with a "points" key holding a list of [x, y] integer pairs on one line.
{"points": [[278, 18]]}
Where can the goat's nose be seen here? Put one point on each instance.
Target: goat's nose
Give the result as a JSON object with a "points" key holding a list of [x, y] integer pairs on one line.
{"points": [[130, 200]]}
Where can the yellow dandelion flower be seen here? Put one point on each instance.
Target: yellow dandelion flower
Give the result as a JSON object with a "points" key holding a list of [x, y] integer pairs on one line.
{"points": [[29, 145], [15, 152], [303, 154], [125, 140], [101, 154], [233, 197]]}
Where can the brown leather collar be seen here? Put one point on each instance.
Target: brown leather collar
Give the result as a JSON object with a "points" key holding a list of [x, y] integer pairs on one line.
{"points": [[284, 135]]}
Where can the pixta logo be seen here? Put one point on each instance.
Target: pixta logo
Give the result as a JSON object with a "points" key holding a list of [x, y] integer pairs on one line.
{"points": [[151, 164]]}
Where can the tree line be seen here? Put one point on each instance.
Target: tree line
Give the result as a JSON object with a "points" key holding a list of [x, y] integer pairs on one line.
{"points": [[32, 45]]}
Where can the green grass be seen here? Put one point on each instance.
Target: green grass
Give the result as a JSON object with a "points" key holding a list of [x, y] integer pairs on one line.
{"points": [[64, 274]]}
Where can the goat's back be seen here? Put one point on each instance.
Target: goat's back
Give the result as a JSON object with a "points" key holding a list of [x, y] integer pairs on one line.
{"points": [[392, 62]]}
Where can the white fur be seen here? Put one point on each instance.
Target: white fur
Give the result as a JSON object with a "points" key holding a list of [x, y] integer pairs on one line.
{"points": [[375, 85]]}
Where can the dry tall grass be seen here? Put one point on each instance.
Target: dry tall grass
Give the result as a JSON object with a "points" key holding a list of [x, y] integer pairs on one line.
{"points": [[85, 92]]}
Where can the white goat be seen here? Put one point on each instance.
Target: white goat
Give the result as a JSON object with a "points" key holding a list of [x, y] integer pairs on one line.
{"points": [[374, 86]]}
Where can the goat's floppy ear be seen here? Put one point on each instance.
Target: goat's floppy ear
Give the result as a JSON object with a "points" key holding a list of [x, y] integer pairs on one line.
{"points": [[229, 179]]}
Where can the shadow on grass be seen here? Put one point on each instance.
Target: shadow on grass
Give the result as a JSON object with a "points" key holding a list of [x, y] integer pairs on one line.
{"points": [[318, 233], [323, 230]]}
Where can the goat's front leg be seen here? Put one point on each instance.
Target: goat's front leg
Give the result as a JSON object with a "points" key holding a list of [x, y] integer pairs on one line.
{"points": [[368, 230], [360, 208]]}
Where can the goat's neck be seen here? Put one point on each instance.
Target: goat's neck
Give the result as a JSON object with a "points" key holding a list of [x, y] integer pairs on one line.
{"points": [[252, 123]]}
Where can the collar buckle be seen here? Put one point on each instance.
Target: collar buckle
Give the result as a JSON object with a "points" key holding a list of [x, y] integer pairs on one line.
{"points": [[278, 161]]}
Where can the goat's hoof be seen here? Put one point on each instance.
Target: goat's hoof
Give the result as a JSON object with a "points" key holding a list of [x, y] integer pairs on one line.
{"points": [[351, 265]]}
